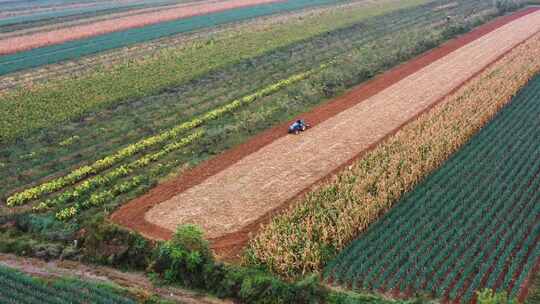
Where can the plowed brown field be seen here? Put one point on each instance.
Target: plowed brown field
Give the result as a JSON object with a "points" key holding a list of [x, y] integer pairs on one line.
{"points": [[244, 185]]}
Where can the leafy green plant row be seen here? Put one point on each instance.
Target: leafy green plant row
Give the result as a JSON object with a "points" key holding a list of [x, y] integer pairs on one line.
{"points": [[20, 288], [81, 173], [100, 198], [472, 224], [115, 174]]}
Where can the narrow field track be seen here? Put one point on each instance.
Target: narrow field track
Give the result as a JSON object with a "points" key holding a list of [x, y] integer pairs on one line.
{"points": [[27, 42], [272, 145]]}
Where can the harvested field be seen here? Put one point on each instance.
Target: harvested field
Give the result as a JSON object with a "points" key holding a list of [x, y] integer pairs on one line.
{"points": [[239, 195], [17, 44]]}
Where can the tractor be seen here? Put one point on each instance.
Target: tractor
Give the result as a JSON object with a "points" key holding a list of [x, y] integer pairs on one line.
{"points": [[298, 126]]}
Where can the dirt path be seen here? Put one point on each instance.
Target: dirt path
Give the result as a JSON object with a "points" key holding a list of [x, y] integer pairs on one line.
{"points": [[229, 199], [131, 280], [27, 42]]}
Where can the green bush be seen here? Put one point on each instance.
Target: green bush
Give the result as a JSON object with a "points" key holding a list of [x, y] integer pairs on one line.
{"points": [[187, 260], [184, 258]]}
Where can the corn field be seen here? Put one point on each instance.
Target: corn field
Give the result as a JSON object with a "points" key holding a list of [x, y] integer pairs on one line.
{"points": [[308, 235]]}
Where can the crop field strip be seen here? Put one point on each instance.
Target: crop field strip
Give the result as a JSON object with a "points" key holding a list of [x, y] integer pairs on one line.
{"points": [[78, 48], [65, 105], [33, 165], [139, 52], [16, 287], [289, 157], [97, 197], [10, 24], [474, 223], [115, 10], [317, 226], [22, 29], [11, 45]]}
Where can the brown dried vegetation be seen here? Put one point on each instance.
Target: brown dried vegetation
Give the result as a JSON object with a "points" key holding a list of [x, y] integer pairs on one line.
{"points": [[306, 236]]}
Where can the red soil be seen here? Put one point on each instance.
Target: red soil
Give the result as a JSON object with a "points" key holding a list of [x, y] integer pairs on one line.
{"points": [[527, 284], [27, 42], [132, 214]]}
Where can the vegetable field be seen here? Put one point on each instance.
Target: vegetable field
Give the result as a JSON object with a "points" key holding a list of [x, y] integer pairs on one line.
{"points": [[108, 156], [16, 287], [82, 47], [129, 119], [474, 223]]}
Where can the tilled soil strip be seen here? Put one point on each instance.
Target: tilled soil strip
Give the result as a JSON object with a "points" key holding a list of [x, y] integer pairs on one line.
{"points": [[294, 152], [262, 181], [27, 42]]}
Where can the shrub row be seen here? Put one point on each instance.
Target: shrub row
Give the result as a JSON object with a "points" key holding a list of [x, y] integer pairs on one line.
{"points": [[187, 260]]}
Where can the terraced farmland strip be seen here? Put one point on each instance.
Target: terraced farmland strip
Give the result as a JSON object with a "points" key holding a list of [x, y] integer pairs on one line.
{"points": [[82, 18], [491, 242], [239, 195], [8, 23]]}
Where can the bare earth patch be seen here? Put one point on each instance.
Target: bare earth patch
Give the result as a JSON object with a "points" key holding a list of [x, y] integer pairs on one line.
{"points": [[262, 181]]}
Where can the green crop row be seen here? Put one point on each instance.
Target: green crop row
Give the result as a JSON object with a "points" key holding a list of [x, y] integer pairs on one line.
{"points": [[100, 198], [81, 173], [16, 287], [112, 176], [43, 106], [469, 225]]}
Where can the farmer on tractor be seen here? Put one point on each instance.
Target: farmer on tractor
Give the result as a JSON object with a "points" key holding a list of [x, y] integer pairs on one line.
{"points": [[298, 126]]}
